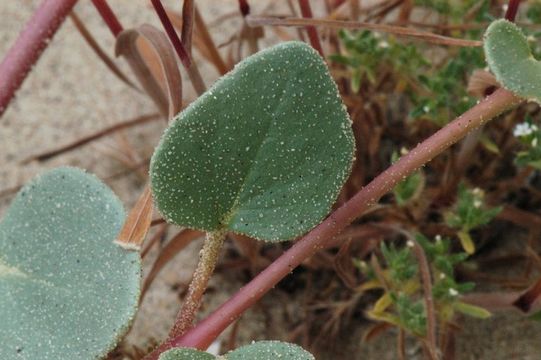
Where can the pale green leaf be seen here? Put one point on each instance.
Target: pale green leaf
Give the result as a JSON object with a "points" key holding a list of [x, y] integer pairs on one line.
{"points": [[510, 59], [67, 291]]}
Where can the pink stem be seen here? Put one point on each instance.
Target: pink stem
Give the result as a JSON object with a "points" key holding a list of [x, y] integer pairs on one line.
{"points": [[29, 46], [208, 330], [108, 16]]}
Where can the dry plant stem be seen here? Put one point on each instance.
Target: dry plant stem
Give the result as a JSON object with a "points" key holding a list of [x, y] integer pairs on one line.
{"points": [[203, 32], [205, 267], [140, 120], [202, 335], [29, 45], [188, 14], [108, 16], [184, 56], [429, 301], [340, 24], [498, 301], [99, 51], [306, 12]]}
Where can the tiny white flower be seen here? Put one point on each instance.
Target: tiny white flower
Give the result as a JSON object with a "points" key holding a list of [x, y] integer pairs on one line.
{"points": [[438, 238], [477, 192], [426, 109], [409, 243], [531, 38], [534, 142], [477, 203], [453, 292], [383, 44], [524, 129], [442, 276], [403, 151]]}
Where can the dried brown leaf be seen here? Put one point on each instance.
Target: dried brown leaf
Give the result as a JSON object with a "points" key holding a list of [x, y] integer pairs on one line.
{"points": [[137, 223], [126, 45]]}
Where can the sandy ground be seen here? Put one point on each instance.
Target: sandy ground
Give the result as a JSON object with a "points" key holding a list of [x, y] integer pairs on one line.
{"points": [[70, 93]]}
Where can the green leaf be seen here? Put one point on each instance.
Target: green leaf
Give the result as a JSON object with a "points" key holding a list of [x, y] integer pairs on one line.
{"points": [[510, 59], [67, 290], [472, 310], [263, 153], [186, 354], [269, 350]]}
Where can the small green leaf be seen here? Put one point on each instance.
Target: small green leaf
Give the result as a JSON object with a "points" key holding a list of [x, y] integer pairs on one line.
{"points": [[263, 153], [510, 59], [67, 290], [186, 354], [472, 310], [466, 241], [269, 350]]}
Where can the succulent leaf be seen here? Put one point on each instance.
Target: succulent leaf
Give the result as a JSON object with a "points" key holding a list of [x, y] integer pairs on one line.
{"points": [[67, 291], [510, 59], [263, 153]]}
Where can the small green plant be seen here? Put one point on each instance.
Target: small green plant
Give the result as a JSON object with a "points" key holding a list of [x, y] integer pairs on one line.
{"points": [[402, 304], [448, 81], [468, 213], [368, 53]]}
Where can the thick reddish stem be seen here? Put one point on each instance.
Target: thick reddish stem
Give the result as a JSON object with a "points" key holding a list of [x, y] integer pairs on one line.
{"points": [[306, 12], [29, 46], [185, 58], [172, 34], [108, 16], [512, 9], [207, 330]]}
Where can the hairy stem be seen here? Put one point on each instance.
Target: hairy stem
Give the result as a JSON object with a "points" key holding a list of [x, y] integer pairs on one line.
{"points": [[29, 45], [206, 331], [205, 267]]}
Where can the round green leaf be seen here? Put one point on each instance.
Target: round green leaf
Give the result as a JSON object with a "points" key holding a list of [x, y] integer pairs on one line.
{"points": [[67, 291], [510, 59], [269, 350], [263, 153], [186, 354]]}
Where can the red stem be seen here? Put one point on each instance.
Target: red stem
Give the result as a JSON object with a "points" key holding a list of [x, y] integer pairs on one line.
{"points": [[108, 16], [29, 45], [207, 330], [173, 36], [244, 8], [512, 9], [306, 12]]}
